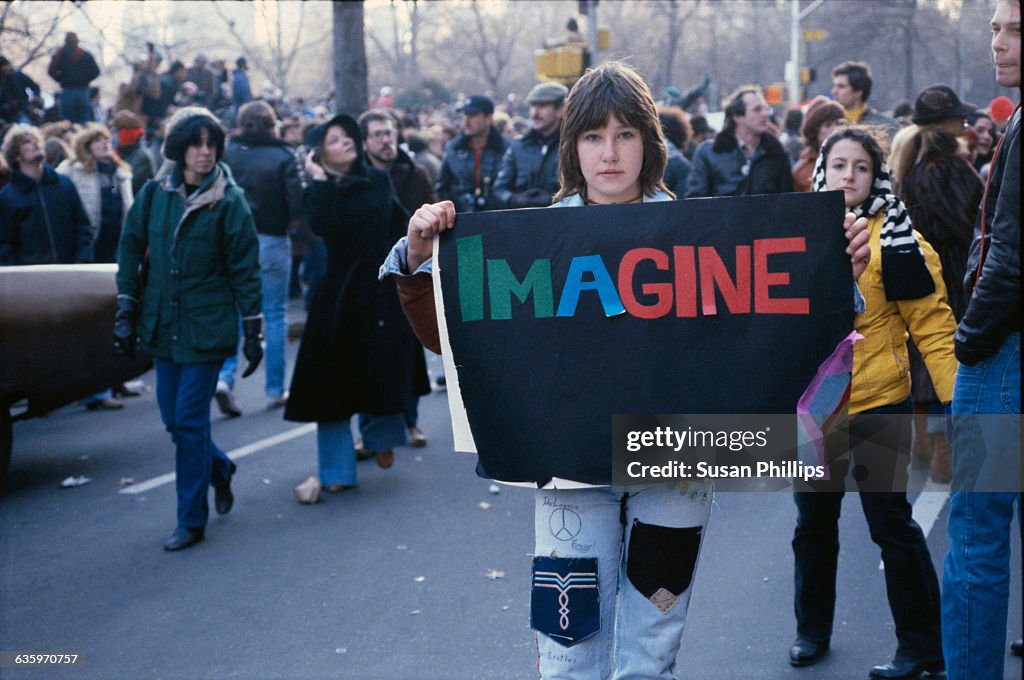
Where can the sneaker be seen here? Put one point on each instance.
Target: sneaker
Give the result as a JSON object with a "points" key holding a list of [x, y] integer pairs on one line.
{"points": [[416, 438], [226, 401], [278, 402]]}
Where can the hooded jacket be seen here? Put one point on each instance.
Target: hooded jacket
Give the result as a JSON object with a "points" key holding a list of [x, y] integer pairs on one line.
{"points": [[43, 222], [203, 267], [718, 168]]}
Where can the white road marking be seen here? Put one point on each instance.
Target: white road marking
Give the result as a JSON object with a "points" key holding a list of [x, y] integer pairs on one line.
{"points": [[234, 454], [927, 506]]}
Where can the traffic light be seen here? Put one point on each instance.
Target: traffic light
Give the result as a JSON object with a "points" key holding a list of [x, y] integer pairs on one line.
{"points": [[808, 75]]}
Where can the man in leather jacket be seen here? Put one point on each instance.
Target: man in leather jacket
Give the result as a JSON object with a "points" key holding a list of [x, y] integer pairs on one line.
{"points": [[529, 170], [986, 404], [472, 160]]}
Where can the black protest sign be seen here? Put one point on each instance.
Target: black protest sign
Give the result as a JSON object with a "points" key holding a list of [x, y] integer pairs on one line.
{"points": [[559, 318]]}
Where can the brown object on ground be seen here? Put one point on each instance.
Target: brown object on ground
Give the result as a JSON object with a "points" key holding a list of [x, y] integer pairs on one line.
{"points": [[385, 459], [942, 458]]}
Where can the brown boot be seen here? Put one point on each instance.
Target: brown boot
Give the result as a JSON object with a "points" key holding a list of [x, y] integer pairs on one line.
{"points": [[921, 449], [942, 458]]}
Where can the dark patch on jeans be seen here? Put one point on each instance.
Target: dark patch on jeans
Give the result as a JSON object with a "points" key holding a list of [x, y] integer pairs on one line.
{"points": [[661, 561]]}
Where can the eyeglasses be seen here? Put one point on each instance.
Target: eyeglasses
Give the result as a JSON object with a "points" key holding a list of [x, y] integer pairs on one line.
{"points": [[380, 134]]}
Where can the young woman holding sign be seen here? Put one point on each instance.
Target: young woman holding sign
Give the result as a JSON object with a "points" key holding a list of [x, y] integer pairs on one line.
{"points": [[903, 289], [636, 550]]}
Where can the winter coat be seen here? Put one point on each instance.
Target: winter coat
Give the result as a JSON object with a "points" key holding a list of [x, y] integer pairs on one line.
{"points": [[203, 78], [718, 168], [803, 171], [993, 311], [14, 95], [677, 170], [89, 184], [881, 371], [876, 118], [358, 352], [942, 194], [411, 182], [457, 182], [143, 167], [265, 167], [240, 91], [73, 68], [44, 222], [530, 162], [204, 268]]}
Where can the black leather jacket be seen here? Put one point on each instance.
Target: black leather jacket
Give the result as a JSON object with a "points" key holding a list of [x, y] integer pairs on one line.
{"points": [[718, 168], [456, 182], [265, 167], [993, 311], [531, 162]]}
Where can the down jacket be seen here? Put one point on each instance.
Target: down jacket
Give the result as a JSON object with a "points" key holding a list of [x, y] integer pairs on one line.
{"points": [[88, 186], [43, 222]]}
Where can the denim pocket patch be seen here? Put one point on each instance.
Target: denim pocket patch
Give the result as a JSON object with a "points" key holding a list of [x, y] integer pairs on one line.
{"points": [[661, 561], [565, 602]]}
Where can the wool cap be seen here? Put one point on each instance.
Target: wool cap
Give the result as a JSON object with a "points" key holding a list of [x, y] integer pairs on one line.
{"points": [[179, 130]]}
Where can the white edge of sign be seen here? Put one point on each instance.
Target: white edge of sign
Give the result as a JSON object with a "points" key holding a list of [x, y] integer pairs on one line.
{"points": [[461, 434]]}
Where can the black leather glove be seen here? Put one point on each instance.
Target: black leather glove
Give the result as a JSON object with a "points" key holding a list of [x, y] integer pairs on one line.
{"points": [[125, 338], [251, 348], [531, 198]]}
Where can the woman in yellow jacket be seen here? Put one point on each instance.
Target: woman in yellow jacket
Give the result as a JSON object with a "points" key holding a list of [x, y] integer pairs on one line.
{"points": [[903, 291]]}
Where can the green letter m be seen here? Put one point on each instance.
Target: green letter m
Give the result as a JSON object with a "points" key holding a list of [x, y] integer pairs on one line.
{"points": [[503, 284]]}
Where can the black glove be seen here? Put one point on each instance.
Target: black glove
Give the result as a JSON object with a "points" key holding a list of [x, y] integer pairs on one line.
{"points": [[531, 198], [251, 348], [124, 326]]}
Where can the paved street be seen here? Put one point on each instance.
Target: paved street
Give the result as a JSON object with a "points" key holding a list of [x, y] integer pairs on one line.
{"points": [[389, 581]]}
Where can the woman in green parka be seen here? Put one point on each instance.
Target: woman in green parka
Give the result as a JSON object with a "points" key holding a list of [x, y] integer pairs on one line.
{"points": [[188, 265]]}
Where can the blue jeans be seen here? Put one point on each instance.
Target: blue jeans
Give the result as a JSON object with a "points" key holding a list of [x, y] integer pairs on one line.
{"points": [[976, 575], [642, 549], [183, 392], [275, 264], [74, 105], [880, 445], [336, 452]]}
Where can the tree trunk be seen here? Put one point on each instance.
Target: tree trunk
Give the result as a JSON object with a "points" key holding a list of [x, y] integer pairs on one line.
{"points": [[351, 91]]}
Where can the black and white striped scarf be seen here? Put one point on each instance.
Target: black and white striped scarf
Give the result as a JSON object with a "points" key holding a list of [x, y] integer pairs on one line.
{"points": [[905, 274]]}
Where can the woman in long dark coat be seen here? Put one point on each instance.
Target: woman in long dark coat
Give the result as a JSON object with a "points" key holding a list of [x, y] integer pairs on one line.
{"points": [[358, 352], [942, 192]]}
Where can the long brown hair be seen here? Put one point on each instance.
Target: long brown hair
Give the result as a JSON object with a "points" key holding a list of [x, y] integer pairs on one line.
{"points": [[612, 88], [85, 137]]}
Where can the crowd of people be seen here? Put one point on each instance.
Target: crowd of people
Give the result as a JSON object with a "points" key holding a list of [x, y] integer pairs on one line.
{"points": [[218, 206]]}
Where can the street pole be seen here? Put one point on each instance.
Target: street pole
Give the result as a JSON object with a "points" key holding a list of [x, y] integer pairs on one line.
{"points": [[795, 37], [592, 31]]}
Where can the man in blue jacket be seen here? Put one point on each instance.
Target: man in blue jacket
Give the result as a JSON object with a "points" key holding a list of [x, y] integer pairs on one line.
{"points": [[472, 160], [42, 220]]}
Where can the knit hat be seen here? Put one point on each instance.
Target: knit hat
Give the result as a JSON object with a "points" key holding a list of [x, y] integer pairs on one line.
{"points": [[180, 127], [939, 102], [820, 112]]}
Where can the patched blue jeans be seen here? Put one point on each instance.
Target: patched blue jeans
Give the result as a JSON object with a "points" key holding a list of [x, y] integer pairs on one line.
{"points": [[612, 578], [976, 574]]}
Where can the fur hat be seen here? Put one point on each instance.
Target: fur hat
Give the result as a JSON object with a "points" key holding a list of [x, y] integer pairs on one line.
{"points": [[180, 127], [821, 111]]}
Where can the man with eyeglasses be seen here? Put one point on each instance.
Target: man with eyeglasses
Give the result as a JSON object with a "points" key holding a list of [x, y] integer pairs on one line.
{"points": [[414, 189], [745, 158]]}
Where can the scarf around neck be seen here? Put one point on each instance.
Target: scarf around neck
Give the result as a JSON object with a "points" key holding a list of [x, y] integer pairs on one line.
{"points": [[905, 274]]}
